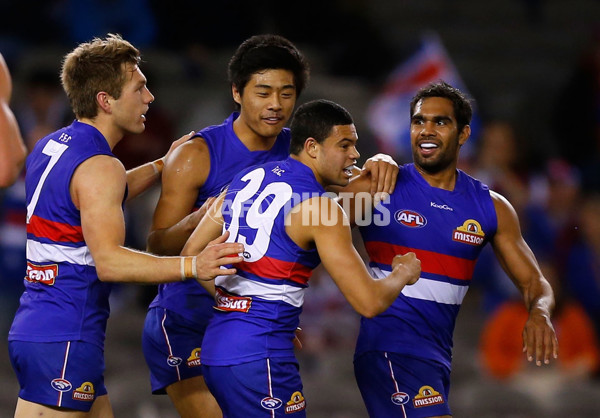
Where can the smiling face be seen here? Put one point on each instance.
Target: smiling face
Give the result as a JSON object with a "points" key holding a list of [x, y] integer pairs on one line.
{"points": [[266, 104], [129, 110], [335, 156], [434, 135]]}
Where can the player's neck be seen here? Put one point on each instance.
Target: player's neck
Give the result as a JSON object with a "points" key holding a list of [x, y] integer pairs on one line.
{"points": [[444, 179], [112, 134], [251, 139]]}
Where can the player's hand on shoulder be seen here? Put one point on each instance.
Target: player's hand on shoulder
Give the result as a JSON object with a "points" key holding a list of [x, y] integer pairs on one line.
{"points": [[177, 143], [384, 171], [410, 265]]}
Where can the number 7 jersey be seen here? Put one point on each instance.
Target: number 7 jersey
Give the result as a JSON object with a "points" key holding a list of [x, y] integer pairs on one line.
{"points": [[63, 298]]}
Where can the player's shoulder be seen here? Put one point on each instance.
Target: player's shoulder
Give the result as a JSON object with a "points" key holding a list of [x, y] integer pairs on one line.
{"points": [[194, 151]]}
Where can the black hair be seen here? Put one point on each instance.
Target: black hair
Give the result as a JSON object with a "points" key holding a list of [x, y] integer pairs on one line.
{"points": [[316, 119], [463, 111], [263, 52]]}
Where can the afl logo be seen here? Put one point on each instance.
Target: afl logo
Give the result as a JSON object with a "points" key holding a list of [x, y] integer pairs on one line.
{"points": [[174, 361], [271, 403], [410, 218], [400, 398], [61, 385], [246, 255]]}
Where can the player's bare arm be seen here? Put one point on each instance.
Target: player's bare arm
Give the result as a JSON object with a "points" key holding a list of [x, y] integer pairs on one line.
{"points": [[139, 179], [184, 173], [517, 259], [320, 222], [97, 190], [206, 232], [12, 148]]}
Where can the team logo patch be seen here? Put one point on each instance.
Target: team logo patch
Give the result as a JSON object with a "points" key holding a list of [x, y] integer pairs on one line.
{"points": [[41, 274], [174, 361], [400, 398], [271, 403], [231, 303], [470, 232], [85, 392], [61, 385], [194, 358], [296, 403], [410, 218], [427, 396]]}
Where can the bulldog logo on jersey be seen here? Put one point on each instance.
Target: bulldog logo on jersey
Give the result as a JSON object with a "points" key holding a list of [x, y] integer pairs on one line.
{"points": [[296, 403], [61, 385], [194, 358], [470, 232], [174, 361], [271, 403], [85, 392], [400, 398], [410, 218], [427, 396]]}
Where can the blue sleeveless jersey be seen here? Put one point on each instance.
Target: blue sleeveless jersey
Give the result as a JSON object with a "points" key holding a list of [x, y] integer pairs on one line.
{"points": [[63, 298], [228, 156], [447, 230], [258, 309]]}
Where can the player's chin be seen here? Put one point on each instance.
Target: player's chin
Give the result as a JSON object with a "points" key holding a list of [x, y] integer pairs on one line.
{"points": [[138, 128]]}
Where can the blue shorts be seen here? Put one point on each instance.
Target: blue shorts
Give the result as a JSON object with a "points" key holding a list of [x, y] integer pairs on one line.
{"points": [[261, 388], [66, 374], [395, 385], [171, 345]]}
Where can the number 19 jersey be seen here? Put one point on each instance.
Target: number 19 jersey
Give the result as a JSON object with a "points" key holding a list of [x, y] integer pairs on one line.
{"points": [[258, 309]]}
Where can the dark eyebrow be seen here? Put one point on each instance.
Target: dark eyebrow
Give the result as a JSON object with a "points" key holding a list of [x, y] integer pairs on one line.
{"points": [[435, 118], [341, 141], [268, 86]]}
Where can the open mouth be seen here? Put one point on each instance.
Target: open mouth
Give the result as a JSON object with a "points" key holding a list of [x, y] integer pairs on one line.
{"points": [[349, 170], [273, 120], [428, 146]]}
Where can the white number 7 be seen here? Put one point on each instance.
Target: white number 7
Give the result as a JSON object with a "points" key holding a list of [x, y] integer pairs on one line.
{"points": [[54, 150]]}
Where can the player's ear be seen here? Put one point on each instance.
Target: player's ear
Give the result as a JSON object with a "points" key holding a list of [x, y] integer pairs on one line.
{"points": [[237, 95], [310, 147], [464, 135], [104, 101]]}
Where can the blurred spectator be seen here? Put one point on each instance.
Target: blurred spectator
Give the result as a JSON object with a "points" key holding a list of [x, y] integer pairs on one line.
{"points": [[547, 224], [43, 106], [582, 267], [501, 343], [553, 199], [499, 163], [13, 237], [328, 321], [577, 115]]}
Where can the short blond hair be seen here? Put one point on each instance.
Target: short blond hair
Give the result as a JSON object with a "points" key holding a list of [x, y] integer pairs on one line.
{"points": [[98, 65]]}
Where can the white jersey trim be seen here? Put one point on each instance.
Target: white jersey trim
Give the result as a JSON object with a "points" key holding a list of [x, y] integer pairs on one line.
{"points": [[427, 289], [242, 286], [54, 253]]}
